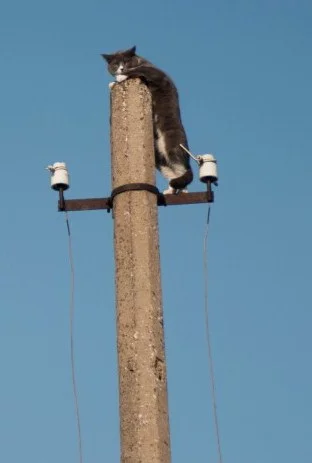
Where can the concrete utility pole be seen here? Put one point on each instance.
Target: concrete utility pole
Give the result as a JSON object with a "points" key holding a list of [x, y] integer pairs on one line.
{"points": [[143, 403]]}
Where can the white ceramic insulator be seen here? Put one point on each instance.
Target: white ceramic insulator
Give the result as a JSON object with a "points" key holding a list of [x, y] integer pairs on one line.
{"points": [[207, 168], [59, 176]]}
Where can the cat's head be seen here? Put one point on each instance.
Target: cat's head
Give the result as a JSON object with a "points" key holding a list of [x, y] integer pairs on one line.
{"points": [[119, 62]]}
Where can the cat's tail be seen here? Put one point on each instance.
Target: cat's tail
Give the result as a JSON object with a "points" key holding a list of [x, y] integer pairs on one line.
{"points": [[181, 182]]}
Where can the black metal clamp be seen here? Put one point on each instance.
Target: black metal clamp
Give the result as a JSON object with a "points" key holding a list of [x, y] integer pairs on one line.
{"points": [[132, 187]]}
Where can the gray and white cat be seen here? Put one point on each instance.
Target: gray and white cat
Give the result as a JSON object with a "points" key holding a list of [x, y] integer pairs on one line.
{"points": [[171, 159]]}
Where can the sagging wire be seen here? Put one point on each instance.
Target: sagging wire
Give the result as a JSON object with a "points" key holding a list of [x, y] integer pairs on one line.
{"points": [[208, 340], [71, 329], [208, 174], [60, 183]]}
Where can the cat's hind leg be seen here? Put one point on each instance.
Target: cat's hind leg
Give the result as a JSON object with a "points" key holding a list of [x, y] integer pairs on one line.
{"points": [[180, 182], [174, 186], [168, 173]]}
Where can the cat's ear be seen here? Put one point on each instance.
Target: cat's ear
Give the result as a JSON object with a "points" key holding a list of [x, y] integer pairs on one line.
{"points": [[131, 51], [107, 58]]}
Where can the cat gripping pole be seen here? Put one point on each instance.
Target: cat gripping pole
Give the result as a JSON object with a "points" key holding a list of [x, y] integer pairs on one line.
{"points": [[144, 423]]}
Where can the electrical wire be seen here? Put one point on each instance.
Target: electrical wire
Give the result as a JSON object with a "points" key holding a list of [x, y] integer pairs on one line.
{"points": [[210, 357], [71, 328]]}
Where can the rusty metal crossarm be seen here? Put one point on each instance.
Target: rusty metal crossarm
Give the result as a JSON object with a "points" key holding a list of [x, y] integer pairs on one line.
{"points": [[92, 204]]}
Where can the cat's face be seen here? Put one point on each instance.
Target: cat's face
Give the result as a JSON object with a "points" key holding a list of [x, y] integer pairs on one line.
{"points": [[119, 62]]}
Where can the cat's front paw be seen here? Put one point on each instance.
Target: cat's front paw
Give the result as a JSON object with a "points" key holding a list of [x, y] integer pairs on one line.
{"points": [[111, 84]]}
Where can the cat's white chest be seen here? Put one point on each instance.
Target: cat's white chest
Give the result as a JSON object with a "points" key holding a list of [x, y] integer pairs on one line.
{"points": [[121, 78], [160, 143]]}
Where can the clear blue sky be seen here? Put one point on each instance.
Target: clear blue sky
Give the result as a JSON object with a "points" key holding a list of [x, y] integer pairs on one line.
{"points": [[244, 72]]}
